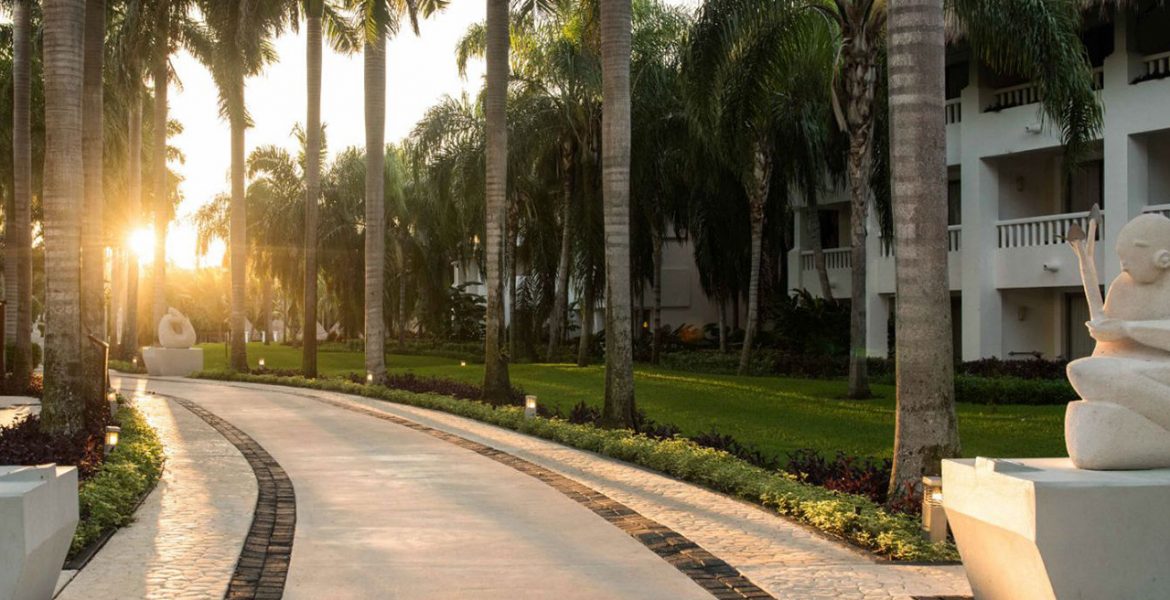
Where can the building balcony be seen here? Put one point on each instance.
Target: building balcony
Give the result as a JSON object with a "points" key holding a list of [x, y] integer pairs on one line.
{"points": [[1032, 252], [1156, 66], [1159, 209]]}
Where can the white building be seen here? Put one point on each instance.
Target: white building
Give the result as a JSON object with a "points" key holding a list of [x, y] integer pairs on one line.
{"points": [[1014, 282]]}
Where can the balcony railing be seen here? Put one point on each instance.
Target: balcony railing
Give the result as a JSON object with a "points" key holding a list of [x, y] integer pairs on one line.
{"points": [[954, 241], [1039, 231], [835, 258], [1157, 65], [954, 111], [1158, 209], [1029, 93]]}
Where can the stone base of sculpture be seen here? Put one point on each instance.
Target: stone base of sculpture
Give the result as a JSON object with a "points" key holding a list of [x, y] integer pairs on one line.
{"points": [[1107, 437], [38, 513], [179, 362], [1043, 529]]}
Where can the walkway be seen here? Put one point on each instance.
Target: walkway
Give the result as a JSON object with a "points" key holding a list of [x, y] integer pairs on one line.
{"points": [[397, 502]]}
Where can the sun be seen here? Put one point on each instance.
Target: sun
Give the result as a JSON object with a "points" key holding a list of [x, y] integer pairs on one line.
{"points": [[141, 244]]}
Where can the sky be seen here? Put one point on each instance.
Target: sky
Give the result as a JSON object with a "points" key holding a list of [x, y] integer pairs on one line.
{"points": [[420, 70]]}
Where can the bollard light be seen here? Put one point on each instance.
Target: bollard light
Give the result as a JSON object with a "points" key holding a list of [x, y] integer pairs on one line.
{"points": [[934, 518], [261, 364], [463, 363], [134, 361], [112, 434], [112, 398], [369, 378], [529, 407]]}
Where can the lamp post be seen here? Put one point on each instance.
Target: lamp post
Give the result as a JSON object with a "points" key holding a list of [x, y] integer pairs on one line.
{"points": [[934, 518], [113, 432], [529, 407]]}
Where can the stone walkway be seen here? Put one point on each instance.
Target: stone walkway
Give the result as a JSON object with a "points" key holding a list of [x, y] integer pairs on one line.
{"points": [[385, 510], [186, 537]]}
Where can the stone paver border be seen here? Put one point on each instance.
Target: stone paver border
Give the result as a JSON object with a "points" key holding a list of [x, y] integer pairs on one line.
{"points": [[263, 564], [713, 574]]}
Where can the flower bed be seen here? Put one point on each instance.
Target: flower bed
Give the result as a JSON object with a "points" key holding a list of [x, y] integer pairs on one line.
{"points": [[853, 518]]}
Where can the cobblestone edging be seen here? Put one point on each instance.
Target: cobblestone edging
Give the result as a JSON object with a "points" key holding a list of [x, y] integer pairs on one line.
{"points": [[713, 574], [263, 564]]}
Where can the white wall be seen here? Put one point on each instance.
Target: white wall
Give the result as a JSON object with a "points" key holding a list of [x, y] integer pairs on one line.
{"points": [[1158, 154]]}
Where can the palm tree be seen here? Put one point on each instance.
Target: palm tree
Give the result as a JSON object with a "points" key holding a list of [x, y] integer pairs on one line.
{"points": [[861, 27], [63, 408], [237, 46], [18, 227], [379, 18], [1039, 40], [93, 253], [496, 384], [770, 66], [159, 75], [618, 410], [316, 12]]}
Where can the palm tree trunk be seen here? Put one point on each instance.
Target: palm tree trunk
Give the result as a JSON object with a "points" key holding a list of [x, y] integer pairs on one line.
{"points": [[401, 295], [238, 230], [62, 408], [859, 153], [497, 385], [134, 201], [375, 271], [162, 202], [18, 228], [618, 410], [561, 292], [588, 301], [93, 251], [512, 324], [758, 200], [656, 334], [722, 326], [266, 310], [312, 184], [925, 430]]}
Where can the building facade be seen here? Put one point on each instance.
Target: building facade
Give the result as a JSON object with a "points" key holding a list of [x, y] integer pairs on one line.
{"points": [[1014, 282]]}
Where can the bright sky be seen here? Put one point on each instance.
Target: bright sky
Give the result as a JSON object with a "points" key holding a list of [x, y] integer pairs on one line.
{"points": [[419, 71]]}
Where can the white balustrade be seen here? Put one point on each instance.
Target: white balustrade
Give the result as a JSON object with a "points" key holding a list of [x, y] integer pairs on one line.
{"points": [[1039, 231], [1159, 209], [835, 258], [954, 238], [954, 111], [1157, 65], [1016, 95]]}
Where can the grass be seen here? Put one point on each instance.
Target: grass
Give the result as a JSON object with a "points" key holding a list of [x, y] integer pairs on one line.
{"points": [[776, 414]]}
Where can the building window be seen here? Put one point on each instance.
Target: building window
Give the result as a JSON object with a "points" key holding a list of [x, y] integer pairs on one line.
{"points": [[1085, 186], [954, 202], [830, 228], [957, 77]]}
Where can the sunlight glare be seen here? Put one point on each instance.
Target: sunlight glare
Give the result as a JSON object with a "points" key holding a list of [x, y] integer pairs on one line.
{"points": [[141, 244]]}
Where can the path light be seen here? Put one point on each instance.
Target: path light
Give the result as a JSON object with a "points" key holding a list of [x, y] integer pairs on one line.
{"points": [[112, 398], [261, 364], [112, 434], [463, 363], [134, 361], [369, 378], [529, 407], [934, 518]]}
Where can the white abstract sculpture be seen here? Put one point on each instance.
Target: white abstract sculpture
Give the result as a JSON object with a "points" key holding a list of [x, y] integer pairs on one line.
{"points": [[1123, 418], [175, 330]]}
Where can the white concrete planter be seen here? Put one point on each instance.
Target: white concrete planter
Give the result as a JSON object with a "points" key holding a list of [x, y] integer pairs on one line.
{"points": [[1042, 529], [172, 361], [38, 513]]}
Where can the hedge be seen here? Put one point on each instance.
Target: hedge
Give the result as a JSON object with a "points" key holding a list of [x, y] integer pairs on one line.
{"points": [[108, 499], [849, 517]]}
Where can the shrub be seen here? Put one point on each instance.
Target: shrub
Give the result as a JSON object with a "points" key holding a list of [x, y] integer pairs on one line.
{"points": [[22, 443], [1012, 390], [850, 517], [108, 498], [867, 477], [10, 355], [427, 385], [1023, 369]]}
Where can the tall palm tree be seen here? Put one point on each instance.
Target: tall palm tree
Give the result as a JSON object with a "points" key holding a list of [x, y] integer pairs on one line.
{"points": [[861, 27], [496, 384], [618, 410], [379, 18], [93, 254], [18, 226], [159, 75], [1037, 39], [237, 46], [62, 408]]}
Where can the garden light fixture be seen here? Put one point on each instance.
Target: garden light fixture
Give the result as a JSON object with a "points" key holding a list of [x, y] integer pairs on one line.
{"points": [[369, 378], [934, 518], [529, 407], [261, 364], [463, 363], [112, 398], [112, 434]]}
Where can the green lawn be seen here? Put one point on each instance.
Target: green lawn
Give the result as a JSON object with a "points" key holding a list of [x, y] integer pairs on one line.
{"points": [[777, 414]]}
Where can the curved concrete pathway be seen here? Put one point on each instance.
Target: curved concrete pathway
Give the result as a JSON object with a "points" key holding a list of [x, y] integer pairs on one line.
{"points": [[386, 509]]}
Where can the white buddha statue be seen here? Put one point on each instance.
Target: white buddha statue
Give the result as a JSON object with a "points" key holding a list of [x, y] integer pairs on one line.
{"points": [[1123, 418]]}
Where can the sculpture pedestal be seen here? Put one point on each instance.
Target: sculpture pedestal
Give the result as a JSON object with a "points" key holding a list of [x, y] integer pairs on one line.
{"points": [[1041, 528], [38, 513], [172, 361]]}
